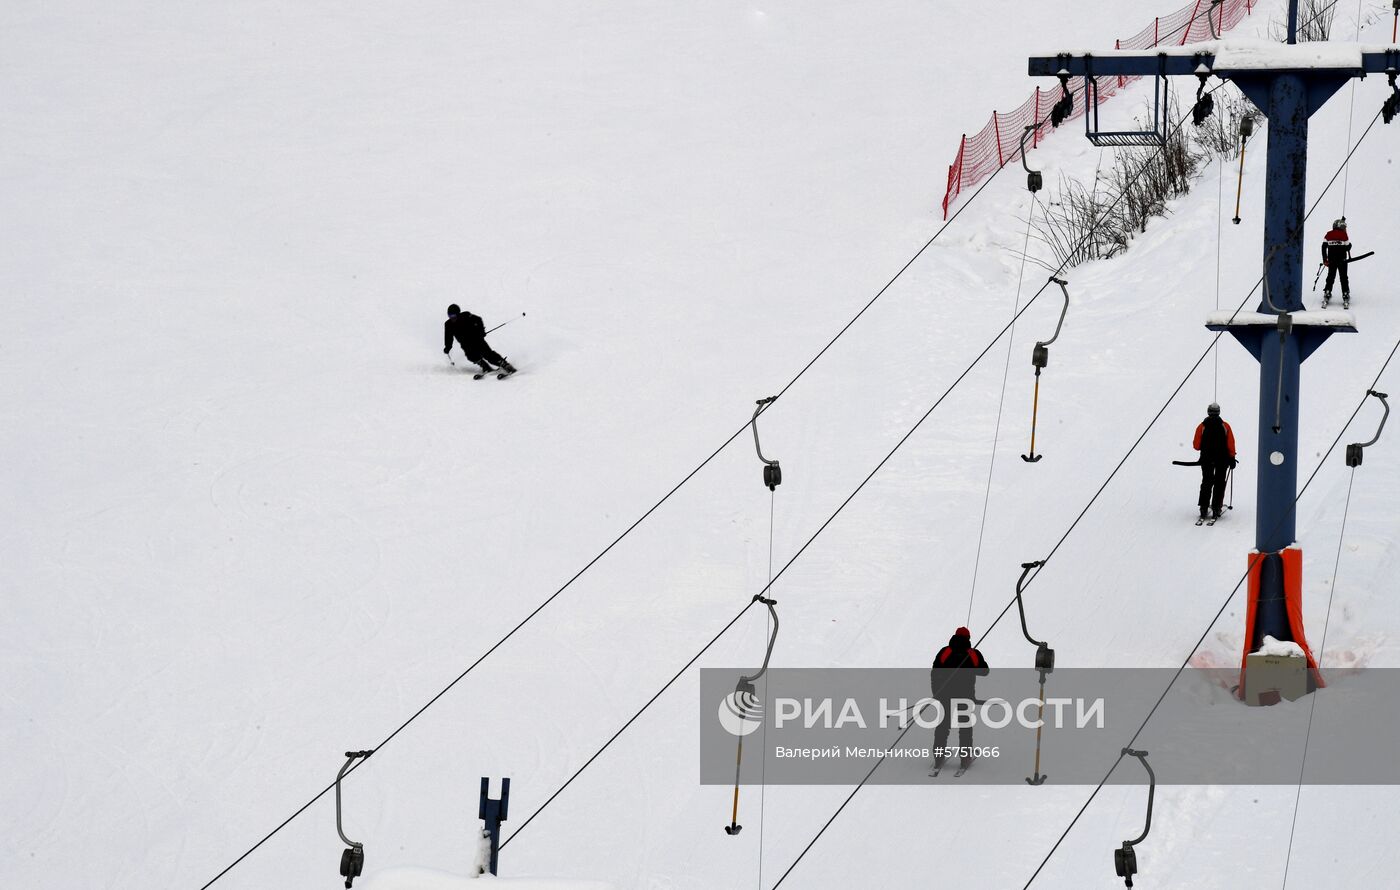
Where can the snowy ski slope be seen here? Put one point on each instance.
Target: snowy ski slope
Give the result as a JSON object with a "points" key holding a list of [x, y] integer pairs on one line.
{"points": [[254, 519]]}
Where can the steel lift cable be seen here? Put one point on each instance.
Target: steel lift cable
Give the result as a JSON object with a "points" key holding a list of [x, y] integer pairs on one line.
{"points": [[1221, 611], [1141, 170], [704, 463], [1001, 403], [1354, 457], [1171, 398], [1080, 517], [1351, 115]]}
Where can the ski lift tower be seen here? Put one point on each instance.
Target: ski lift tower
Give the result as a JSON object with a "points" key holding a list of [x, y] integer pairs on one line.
{"points": [[1288, 82]]}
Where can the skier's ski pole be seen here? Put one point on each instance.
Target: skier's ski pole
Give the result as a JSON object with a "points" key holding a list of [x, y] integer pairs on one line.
{"points": [[502, 324], [1231, 504], [1317, 276]]}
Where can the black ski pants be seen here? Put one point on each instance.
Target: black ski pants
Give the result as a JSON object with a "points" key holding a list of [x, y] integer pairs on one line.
{"points": [[1213, 477], [1332, 271], [940, 732], [477, 351]]}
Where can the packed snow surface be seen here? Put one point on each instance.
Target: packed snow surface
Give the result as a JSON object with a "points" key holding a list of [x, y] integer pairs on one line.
{"points": [[411, 878], [254, 519]]}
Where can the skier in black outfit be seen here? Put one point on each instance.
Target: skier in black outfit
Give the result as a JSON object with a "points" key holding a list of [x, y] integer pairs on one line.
{"points": [[1336, 253], [1216, 442], [954, 677], [470, 331]]}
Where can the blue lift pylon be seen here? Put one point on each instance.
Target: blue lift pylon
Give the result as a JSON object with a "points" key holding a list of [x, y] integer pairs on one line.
{"points": [[1288, 83]]}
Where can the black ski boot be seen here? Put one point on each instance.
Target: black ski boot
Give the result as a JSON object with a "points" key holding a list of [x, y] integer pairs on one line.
{"points": [[485, 369], [1346, 301], [507, 369], [1326, 298]]}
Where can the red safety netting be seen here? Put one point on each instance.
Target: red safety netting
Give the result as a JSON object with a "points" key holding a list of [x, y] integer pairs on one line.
{"points": [[997, 143]]}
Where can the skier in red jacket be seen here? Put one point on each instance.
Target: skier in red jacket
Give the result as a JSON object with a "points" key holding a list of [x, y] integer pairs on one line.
{"points": [[1216, 442], [953, 677], [1336, 253]]}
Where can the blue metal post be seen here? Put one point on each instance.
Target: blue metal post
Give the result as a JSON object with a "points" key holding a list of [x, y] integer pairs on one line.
{"points": [[1285, 198], [493, 813]]}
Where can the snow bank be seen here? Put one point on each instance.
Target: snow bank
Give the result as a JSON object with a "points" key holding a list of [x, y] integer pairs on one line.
{"points": [[1271, 646], [413, 878]]}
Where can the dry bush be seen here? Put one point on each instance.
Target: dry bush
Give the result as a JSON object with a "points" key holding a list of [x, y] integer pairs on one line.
{"points": [[1314, 22]]}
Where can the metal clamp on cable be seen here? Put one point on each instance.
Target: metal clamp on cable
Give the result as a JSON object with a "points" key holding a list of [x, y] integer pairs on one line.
{"points": [[1034, 180], [1124, 858], [745, 705], [1354, 450], [352, 860], [772, 473]]}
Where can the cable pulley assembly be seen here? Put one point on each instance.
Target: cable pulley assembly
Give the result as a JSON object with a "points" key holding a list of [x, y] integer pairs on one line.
{"points": [[1040, 357], [745, 705], [1034, 180], [1205, 102], [1065, 106], [772, 473], [1356, 449], [1044, 663], [1124, 858], [352, 859], [1246, 131]]}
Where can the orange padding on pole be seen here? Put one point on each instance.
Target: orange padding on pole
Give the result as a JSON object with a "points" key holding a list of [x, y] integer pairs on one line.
{"points": [[1292, 601]]}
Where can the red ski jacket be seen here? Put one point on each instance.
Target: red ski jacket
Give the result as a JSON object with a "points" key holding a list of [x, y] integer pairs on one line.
{"points": [[1212, 449], [1336, 247]]}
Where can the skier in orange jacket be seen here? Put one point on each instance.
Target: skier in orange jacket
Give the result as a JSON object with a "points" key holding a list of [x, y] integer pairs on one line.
{"points": [[1216, 443]]}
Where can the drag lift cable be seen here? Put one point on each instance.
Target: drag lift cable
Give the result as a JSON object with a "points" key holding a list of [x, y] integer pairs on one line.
{"points": [[1353, 457], [1040, 357]]}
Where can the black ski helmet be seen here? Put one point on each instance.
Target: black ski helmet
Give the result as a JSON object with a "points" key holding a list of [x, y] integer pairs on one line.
{"points": [[454, 309], [1213, 410]]}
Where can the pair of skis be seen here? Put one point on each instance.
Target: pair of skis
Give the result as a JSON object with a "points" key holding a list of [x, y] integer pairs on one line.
{"points": [[499, 376], [938, 768], [1209, 520]]}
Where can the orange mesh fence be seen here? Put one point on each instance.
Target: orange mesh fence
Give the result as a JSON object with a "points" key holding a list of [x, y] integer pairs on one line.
{"points": [[998, 143]]}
